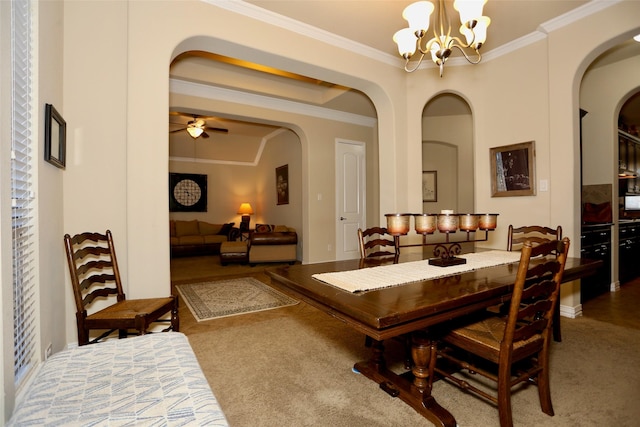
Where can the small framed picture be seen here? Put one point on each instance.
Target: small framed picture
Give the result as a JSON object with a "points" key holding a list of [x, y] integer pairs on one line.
{"points": [[55, 137], [513, 170], [282, 184], [429, 186]]}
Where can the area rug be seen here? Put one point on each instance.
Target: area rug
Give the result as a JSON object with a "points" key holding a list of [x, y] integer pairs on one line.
{"points": [[223, 298]]}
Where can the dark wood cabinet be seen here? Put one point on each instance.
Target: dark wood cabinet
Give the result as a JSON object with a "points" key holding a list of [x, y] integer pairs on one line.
{"points": [[596, 244], [629, 254]]}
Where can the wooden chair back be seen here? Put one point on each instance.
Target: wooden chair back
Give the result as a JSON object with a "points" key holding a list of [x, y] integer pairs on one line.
{"points": [[535, 234], [534, 295], [93, 268], [376, 242]]}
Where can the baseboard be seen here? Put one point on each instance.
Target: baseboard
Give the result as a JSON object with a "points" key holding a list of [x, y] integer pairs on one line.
{"points": [[571, 312]]}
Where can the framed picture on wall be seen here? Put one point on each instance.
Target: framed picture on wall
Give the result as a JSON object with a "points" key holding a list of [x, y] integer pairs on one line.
{"points": [[55, 137], [187, 192], [282, 184], [429, 186], [513, 170]]}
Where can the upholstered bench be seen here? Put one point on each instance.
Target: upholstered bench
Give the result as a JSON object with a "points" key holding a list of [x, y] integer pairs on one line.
{"points": [[233, 252]]}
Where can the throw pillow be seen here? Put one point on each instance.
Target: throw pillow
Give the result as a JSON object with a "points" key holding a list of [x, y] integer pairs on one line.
{"points": [[281, 229], [264, 228], [187, 228]]}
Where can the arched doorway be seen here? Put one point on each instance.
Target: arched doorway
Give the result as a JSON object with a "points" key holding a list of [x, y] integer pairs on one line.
{"points": [[447, 151]]}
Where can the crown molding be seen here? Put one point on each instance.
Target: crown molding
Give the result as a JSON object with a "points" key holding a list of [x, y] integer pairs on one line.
{"points": [[306, 30], [239, 97], [258, 13]]}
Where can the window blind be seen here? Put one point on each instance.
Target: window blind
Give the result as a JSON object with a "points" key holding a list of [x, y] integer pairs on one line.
{"points": [[22, 199]]}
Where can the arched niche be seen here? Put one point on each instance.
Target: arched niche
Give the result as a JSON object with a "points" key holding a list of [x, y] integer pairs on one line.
{"points": [[447, 149]]}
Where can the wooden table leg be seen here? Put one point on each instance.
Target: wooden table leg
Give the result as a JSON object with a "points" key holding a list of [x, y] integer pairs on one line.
{"points": [[414, 387]]}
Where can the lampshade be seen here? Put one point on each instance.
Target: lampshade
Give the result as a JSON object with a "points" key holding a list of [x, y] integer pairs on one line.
{"points": [[417, 15], [195, 131], [406, 41], [470, 10], [245, 209]]}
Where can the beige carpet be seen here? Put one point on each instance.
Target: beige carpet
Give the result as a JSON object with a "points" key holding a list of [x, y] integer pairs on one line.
{"points": [[221, 298], [292, 367]]}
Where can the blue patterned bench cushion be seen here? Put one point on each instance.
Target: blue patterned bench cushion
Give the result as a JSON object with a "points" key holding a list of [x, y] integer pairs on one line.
{"points": [[151, 380]]}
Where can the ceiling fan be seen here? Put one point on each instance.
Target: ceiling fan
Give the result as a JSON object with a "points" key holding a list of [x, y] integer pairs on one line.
{"points": [[197, 127]]}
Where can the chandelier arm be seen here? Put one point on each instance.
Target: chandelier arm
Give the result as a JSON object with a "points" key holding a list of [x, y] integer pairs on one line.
{"points": [[460, 48], [411, 70]]}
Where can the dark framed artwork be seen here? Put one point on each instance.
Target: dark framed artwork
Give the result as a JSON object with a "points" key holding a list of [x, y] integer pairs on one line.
{"points": [[513, 170], [187, 192], [429, 186], [55, 137], [282, 184]]}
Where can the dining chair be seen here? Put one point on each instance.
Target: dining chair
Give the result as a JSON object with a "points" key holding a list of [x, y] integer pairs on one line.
{"points": [[537, 234], [95, 277], [513, 349], [377, 242]]}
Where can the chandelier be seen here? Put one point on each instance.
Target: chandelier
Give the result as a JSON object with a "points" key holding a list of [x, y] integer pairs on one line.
{"points": [[474, 29]]}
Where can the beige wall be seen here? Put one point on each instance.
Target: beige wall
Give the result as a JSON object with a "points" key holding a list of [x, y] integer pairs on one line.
{"points": [[116, 57]]}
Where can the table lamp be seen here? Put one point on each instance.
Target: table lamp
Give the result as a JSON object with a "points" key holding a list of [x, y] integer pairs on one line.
{"points": [[246, 211]]}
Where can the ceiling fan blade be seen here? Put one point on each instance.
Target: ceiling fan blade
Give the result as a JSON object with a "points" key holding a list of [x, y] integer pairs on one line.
{"points": [[204, 135], [177, 130], [221, 130]]}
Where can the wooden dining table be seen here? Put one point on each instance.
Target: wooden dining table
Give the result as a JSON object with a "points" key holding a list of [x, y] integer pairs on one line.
{"points": [[411, 308]]}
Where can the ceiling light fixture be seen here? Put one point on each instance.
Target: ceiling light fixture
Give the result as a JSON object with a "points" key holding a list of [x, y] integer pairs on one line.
{"points": [[474, 29], [637, 38], [194, 130]]}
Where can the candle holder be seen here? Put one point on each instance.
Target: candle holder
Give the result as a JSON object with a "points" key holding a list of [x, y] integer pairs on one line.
{"points": [[446, 222]]}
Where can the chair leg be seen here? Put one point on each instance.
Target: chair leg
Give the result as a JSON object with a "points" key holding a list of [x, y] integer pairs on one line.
{"points": [[544, 388], [557, 335], [504, 395], [175, 320]]}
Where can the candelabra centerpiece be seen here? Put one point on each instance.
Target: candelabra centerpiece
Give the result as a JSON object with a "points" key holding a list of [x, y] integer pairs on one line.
{"points": [[446, 222]]}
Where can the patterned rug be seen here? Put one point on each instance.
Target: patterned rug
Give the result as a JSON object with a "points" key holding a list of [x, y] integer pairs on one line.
{"points": [[223, 298]]}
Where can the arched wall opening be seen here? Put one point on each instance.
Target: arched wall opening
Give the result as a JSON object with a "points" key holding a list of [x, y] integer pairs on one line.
{"points": [[302, 122]]}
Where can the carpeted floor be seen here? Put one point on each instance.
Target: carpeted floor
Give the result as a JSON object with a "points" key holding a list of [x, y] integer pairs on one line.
{"points": [[292, 367]]}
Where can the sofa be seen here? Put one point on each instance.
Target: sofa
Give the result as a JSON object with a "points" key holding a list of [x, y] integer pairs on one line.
{"points": [[195, 237], [272, 243]]}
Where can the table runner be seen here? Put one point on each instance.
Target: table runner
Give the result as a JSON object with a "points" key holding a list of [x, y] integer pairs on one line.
{"points": [[385, 276]]}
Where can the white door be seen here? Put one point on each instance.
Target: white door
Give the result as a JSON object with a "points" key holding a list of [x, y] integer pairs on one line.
{"points": [[350, 197]]}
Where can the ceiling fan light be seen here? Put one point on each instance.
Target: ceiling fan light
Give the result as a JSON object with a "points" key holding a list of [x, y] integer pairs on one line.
{"points": [[195, 132], [637, 38]]}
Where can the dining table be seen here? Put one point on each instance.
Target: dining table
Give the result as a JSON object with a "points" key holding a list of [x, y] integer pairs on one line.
{"points": [[406, 309]]}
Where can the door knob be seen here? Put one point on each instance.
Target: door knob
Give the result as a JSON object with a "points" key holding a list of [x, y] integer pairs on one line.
{"points": [[342, 218]]}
